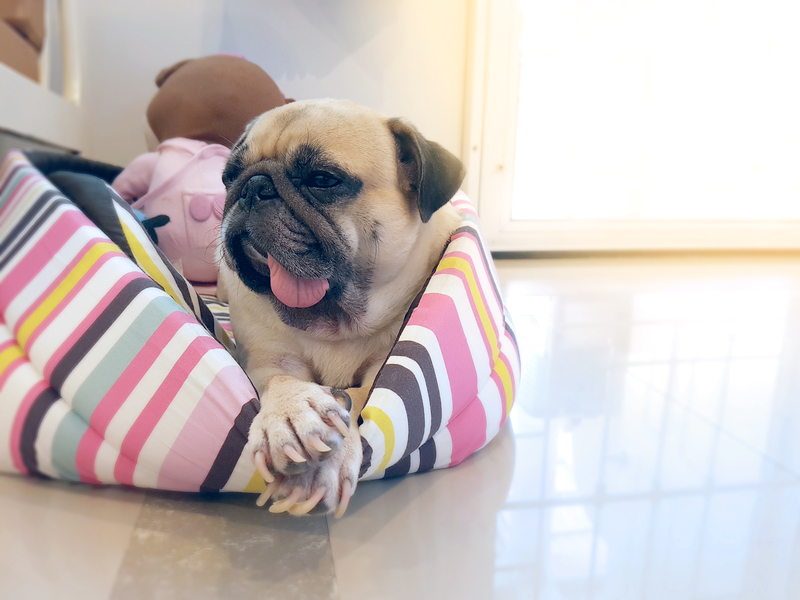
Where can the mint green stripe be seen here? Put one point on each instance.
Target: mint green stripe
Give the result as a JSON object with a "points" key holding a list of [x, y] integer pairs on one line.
{"points": [[12, 183], [65, 445], [111, 367]]}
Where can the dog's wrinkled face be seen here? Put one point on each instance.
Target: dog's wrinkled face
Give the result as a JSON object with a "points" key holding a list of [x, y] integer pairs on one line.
{"points": [[324, 198]]}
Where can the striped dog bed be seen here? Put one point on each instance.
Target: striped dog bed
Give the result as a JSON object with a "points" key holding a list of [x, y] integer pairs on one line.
{"points": [[115, 370]]}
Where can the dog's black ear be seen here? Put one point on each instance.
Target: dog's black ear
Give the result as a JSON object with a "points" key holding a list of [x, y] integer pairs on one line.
{"points": [[429, 175]]}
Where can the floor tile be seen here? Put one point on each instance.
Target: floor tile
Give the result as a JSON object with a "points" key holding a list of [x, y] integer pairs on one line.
{"points": [[431, 535], [223, 546], [60, 540]]}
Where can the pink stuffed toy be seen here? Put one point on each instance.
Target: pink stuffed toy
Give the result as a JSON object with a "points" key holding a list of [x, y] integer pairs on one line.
{"points": [[201, 108], [181, 180]]}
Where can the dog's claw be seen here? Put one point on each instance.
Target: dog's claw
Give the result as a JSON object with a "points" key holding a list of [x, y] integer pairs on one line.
{"points": [[260, 460], [338, 423], [347, 492], [343, 397], [266, 494], [288, 502], [318, 445], [293, 454], [305, 507]]}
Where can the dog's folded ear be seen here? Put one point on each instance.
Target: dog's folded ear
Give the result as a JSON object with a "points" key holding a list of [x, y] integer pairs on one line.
{"points": [[429, 175]]}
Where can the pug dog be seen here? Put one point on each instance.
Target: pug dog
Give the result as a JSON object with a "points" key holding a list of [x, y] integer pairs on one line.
{"points": [[335, 217]]}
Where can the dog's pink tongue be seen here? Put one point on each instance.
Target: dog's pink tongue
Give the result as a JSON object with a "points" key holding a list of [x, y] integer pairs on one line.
{"points": [[294, 291]]}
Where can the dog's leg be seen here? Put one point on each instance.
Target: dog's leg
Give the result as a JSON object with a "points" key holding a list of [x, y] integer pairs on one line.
{"points": [[316, 479], [299, 426], [302, 471]]}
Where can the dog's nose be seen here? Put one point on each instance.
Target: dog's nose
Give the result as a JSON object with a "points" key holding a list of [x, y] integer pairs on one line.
{"points": [[257, 189]]}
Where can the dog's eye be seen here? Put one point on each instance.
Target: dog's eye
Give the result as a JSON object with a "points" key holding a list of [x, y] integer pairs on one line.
{"points": [[231, 172], [321, 179]]}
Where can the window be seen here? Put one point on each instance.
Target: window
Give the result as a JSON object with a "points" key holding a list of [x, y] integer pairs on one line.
{"points": [[636, 124]]}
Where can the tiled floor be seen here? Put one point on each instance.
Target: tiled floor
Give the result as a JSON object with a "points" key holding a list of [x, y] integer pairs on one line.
{"points": [[653, 453]]}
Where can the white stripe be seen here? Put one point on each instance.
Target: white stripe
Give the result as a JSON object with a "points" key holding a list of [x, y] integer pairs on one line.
{"points": [[7, 166], [72, 315], [161, 440], [415, 369], [152, 253], [104, 345], [453, 287], [47, 433], [21, 380], [493, 407], [104, 462], [36, 236], [444, 449], [510, 351], [469, 246], [370, 431], [425, 337], [413, 462], [242, 473], [51, 272], [390, 403], [148, 385], [29, 193]]}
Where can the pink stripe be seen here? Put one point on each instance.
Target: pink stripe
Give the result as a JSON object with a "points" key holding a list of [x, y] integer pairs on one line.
{"points": [[467, 431], [194, 451], [59, 308], [468, 291], [437, 312], [120, 391], [84, 325], [21, 189], [54, 280], [501, 388], [86, 455], [464, 206], [140, 431], [37, 257], [475, 316], [485, 269], [19, 422]]}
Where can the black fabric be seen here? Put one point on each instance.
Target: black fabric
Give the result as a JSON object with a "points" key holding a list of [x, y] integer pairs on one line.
{"points": [[50, 162], [96, 200]]}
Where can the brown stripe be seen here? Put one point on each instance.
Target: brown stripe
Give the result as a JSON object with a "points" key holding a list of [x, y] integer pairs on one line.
{"points": [[231, 449], [427, 456], [400, 468], [419, 354], [96, 330], [45, 205], [30, 429]]}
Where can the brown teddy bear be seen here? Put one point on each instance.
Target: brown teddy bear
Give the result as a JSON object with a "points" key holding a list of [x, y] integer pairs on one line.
{"points": [[201, 108], [211, 99]]}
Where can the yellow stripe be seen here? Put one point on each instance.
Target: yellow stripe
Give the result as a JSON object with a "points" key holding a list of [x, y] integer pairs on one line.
{"points": [[384, 423], [461, 264], [144, 260], [508, 388], [8, 356], [89, 259], [256, 485]]}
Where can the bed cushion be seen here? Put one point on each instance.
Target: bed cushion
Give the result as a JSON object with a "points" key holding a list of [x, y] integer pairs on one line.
{"points": [[115, 370]]}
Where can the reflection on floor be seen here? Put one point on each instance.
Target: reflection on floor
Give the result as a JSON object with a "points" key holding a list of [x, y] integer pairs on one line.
{"points": [[653, 453]]}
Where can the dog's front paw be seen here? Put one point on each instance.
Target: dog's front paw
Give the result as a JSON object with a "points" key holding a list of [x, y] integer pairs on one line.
{"points": [[300, 425], [327, 488]]}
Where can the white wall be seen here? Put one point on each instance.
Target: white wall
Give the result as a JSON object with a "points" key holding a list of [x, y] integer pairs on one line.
{"points": [[402, 57]]}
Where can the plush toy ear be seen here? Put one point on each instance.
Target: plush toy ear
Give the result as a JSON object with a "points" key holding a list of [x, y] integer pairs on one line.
{"points": [[429, 175], [165, 73]]}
